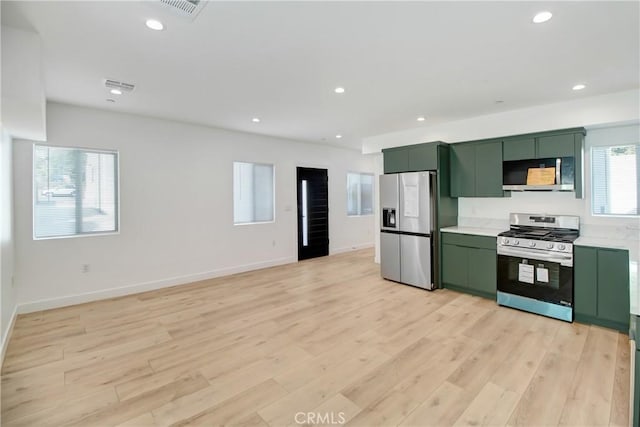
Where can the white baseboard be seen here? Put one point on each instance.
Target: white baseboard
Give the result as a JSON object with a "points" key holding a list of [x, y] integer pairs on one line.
{"points": [[7, 334], [351, 248], [46, 304]]}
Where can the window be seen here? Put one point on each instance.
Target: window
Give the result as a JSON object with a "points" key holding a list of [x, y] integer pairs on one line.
{"points": [[359, 194], [75, 192], [252, 193], [614, 180]]}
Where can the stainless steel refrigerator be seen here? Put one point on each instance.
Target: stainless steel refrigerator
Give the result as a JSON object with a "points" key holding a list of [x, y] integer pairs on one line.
{"points": [[407, 208]]}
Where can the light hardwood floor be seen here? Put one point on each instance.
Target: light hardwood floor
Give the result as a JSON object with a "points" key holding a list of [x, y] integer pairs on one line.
{"points": [[326, 336]]}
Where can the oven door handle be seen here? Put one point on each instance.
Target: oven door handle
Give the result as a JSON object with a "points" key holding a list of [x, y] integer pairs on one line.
{"points": [[562, 259]]}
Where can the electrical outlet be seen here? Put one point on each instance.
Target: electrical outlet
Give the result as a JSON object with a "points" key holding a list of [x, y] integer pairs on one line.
{"points": [[13, 281], [85, 268], [273, 243]]}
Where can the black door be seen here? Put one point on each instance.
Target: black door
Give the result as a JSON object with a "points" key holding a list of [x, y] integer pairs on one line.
{"points": [[313, 213]]}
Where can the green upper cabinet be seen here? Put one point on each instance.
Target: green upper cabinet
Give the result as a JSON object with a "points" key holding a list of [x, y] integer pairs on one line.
{"points": [[578, 140], [519, 149], [556, 146], [412, 158], [396, 160], [564, 143], [476, 169], [463, 170], [489, 169], [585, 288], [423, 157]]}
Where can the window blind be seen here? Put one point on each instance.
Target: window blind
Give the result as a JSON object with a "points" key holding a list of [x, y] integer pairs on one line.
{"points": [[75, 192]]}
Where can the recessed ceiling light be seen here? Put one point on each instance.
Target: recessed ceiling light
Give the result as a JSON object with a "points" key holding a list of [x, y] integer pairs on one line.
{"points": [[154, 24], [542, 17], [420, 119], [579, 87], [339, 90], [499, 101], [111, 100], [116, 91], [255, 120], [338, 136]]}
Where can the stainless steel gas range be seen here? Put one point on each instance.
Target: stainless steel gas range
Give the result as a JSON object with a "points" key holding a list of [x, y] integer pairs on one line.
{"points": [[535, 264]]}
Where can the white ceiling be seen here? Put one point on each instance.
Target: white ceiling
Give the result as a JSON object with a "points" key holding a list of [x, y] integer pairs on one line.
{"points": [[280, 61]]}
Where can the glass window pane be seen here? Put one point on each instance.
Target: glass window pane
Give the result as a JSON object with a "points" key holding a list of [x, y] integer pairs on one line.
{"points": [[353, 181], [614, 172], [366, 189], [75, 192], [359, 194], [252, 192], [305, 217]]}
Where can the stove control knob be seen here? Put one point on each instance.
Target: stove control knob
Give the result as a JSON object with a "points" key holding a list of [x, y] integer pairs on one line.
{"points": [[532, 244], [549, 245], [516, 242], [505, 241], [561, 247]]}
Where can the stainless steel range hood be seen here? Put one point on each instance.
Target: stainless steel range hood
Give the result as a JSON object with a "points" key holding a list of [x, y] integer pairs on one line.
{"points": [[515, 174], [554, 187]]}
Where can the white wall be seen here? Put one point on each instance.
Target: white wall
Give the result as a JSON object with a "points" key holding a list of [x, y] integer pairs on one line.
{"points": [[614, 108], [8, 300], [23, 95], [176, 208]]}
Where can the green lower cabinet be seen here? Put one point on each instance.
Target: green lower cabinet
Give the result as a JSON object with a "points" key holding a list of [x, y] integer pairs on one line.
{"points": [[482, 270], [585, 281], [454, 265], [601, 287], [636, 393], [613, 286], [469, 264]]}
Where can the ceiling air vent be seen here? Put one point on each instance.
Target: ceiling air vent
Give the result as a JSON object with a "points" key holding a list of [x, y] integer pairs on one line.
{"points": [[187, 8], [114, 84]]}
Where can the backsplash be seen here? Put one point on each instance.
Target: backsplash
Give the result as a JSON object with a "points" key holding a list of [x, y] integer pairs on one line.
{"points": [[494, 213]]}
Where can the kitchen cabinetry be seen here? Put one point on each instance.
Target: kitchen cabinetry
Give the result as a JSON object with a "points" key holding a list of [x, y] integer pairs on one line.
{"points": [[519, 149], [635, 372], [411, 158], [396, 160], [557, 146], [601, 287], [469, 264], [422, 157], [543, 146], [476, 169], [563, 143]]}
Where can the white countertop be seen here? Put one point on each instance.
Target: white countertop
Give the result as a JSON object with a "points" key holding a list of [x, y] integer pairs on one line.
{"points": [[480, 231], [604, 242]]}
